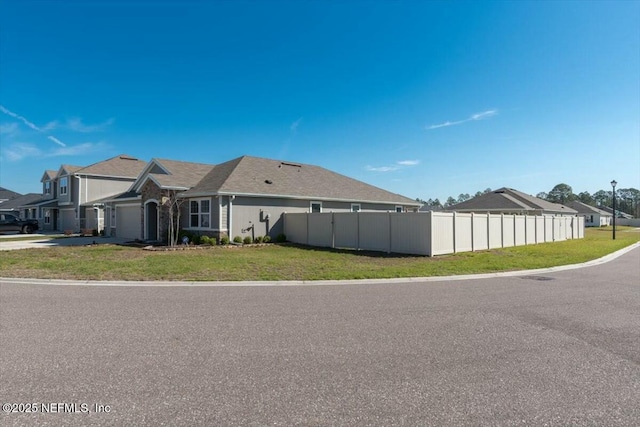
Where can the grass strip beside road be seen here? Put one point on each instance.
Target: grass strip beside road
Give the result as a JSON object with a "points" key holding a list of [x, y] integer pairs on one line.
{"points": [[285, 262]]}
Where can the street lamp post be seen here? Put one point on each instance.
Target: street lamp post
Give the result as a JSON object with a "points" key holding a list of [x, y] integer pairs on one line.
{"points": [[613, 184]]}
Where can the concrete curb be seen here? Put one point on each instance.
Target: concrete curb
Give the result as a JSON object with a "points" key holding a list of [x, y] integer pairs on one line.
{"points": [[124, 283]]}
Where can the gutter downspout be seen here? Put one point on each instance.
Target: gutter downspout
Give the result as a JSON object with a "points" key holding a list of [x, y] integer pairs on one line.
{"points": [[231, 198]]}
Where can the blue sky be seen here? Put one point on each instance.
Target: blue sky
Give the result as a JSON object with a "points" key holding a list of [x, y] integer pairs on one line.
{"points": [[426, 99]]}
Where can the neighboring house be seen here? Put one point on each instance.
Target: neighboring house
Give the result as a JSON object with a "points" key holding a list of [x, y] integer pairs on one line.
{"points": [[593, 217], [619, 213], [242, 197], [430, 208], [510, 201], [70, 195], [16, 206], [6, 195]]}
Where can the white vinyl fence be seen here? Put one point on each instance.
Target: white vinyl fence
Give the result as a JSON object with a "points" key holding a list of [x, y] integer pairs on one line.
{"points": [[432, 233]]}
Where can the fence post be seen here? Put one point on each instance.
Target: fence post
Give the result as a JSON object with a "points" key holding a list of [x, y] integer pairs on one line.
{"points": [[472, 239], [431, 233], [358, 230], [307, 218], [502, 230], [488, 230], [333, 230], [389, 219], [454, 232]]}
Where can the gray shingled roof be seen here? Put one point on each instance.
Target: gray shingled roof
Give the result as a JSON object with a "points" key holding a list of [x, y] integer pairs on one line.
{"points": [[8, 194], [181, 174], [508, 199], [583, 208], [258, 176], [122, 166], [19, 201]]}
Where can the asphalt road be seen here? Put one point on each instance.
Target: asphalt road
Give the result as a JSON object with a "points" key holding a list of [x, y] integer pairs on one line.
{"points": [[561, 348]]}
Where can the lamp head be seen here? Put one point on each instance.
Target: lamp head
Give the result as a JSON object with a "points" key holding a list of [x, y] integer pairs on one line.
{"points": [[614, 183]]}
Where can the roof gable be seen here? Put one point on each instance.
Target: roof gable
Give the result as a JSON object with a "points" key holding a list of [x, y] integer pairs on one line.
{"points": [[67, 170], [49, 175], [172, 174]]}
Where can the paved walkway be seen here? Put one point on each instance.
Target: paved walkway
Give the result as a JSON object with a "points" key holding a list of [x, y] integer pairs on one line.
{"points": [[45, 240]]}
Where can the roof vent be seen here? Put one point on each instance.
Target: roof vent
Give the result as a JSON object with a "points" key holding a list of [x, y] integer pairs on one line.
{"points": [[268, 181], [125, 157], [290, 164]]}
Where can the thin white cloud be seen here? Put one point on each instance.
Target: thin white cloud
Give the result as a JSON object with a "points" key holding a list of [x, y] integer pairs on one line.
{"points": [[381, 168], [392, 168], [484, 115], [294, 125], [474, 117], [19, 151], [19, 117], [76, 125], [409, 162], [57, 141], [77, 150], [9, 129]]}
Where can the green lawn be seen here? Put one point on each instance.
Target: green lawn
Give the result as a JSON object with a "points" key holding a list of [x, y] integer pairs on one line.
{"points": [[286, 262]]}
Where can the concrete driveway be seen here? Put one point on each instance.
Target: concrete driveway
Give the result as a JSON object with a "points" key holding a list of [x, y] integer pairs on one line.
{"points": [[45, 240]]}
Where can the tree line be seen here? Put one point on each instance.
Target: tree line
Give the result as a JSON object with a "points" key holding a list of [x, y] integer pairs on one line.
{"points": [[627, 199]]}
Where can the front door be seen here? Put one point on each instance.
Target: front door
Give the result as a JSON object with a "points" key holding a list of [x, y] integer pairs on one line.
{"points": [[152, 221]]}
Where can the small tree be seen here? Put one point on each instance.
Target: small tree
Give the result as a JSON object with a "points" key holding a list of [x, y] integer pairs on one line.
{"points": [[173, 203]]}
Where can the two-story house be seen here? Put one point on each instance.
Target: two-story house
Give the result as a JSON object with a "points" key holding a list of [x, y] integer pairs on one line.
{"points": [[71, 195]]}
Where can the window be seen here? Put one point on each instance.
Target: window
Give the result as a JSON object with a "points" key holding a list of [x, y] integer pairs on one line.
{"points": [[399, 209], [47, 187], [47, 216], [316, 207], [200, 213], [355, 207], [64, 185]]}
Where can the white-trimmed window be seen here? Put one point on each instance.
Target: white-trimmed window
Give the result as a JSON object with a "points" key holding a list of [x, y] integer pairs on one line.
{"points": [[47, 187], [399, 209], [316, 207], [355, 207], [64, 185], [47, 216], [200, 213]]}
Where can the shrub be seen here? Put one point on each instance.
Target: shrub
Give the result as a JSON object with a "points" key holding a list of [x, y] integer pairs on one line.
{"points": [[224, 240], [237, 239], [266, 239], [247, 240], [258, 239], [206, 240], [281, 238], [94, 232]]}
